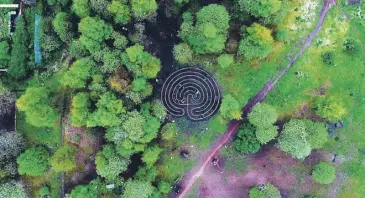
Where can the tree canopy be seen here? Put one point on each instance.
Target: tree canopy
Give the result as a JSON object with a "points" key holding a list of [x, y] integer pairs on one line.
{"points": [[64, 159], [266, 191], [33, 161], [324, 173]]}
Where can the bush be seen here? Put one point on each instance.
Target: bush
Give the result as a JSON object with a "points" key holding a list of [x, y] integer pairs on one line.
{"points": [[64, 159], [246, 141], [265, 191], [282, 34], [151, 155], [257, 43], [324, 173], [183, 53], [330, 107], [230, 108], [260, 8], [225, 60], [351, 46], [328, 58], [33, 162], [317, 133]]}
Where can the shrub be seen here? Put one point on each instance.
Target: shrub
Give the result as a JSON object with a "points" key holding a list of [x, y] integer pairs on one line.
{"points": [[324, 173], [330, 107], [328, 58], [260, 8], [246, 141], [33, 162], [230, 108], [183, 53], [64, 159], [257, 43], [351, 46], [151, 155], [225, 60], [282, 34], [317, 133]]}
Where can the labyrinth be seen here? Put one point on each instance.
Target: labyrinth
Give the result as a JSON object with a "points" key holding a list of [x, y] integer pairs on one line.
{"points": [[191, 92]]}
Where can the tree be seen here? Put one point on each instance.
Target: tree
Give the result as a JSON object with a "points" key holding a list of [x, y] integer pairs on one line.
{"points": [[230, 108], [109, 110], [34, 103], [111, 61], [90, 190], [139, 84], [330, 107], [158, 110], [33, 162], [64, 159], [143, 9], [169, 131], [109, 164], [19, 51], [317, 133], [62, 26], [12, 190], [76, 76], [137, 189], [151, 155], [225, 60], [81, 8], [11, 146], [133, 125], [183, 53], [260, 8], [324, 173], [266, 133], [120, 41], [257, 42], [246, 141], [141, 63], [80, 109], [100, 7], [266, 191], [93, 32], [263, 115], [293, 139], [210, 33], [150, 128], [4, 53], [120, 11], [282, 34]]}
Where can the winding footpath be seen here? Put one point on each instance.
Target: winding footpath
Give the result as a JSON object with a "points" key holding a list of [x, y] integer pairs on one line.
{"points": [[196, 172]]}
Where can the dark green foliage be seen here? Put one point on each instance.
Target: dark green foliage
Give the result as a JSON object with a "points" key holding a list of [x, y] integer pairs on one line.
{"points": [[80, 109], [4, 53], [109, 164], [81, 8], [256, 43], [78, 73], [225, 60], [143, 9], [120, 11], [282, 34], [141, 63], [19, 51], [293, 139], [62, 26], [328, 58], [266, 191], [34, 102], [64, 159], [246, 141], [183, 53], [351, 46], [137, 189], [77, 50], [33, 162], [93, 32], [210, 32], [230, 108], [324, 173], [109, 110], [330, 107]]}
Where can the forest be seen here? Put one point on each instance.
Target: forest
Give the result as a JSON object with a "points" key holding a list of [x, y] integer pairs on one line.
{"points": [[182, 98]]}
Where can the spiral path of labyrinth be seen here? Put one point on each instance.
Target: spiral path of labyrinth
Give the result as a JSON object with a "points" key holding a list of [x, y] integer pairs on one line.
{"points": [[191, 92]]}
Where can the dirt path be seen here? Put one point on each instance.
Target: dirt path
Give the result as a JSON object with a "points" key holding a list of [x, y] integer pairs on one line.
{"points": [[233, 126]]}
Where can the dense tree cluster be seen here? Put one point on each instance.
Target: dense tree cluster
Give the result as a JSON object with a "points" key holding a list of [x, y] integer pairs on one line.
{"points": [[246, 141]]}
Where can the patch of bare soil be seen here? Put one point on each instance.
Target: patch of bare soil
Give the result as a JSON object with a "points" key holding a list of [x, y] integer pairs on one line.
{"points": [[270, 165]]}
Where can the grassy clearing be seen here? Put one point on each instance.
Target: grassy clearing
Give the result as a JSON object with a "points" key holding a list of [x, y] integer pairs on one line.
{"points": [[234, 161]]}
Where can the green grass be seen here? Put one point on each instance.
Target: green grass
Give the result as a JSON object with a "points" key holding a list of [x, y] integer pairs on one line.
{"points": [[234, 161], [35, 135]]}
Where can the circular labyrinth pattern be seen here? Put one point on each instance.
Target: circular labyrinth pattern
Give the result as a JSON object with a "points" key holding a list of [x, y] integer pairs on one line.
{"points": [[191, 92]]}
